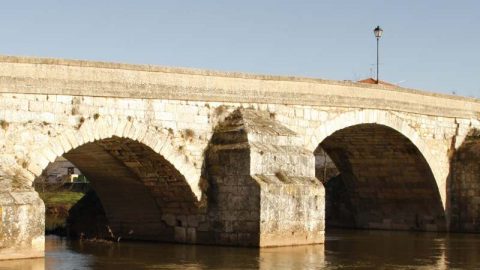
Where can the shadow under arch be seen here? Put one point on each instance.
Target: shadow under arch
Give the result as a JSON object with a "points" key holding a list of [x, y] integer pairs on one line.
{"points": [[93, 130], [391, 120], [384, 181], [143, 182], [142, 194], [464, 185]]}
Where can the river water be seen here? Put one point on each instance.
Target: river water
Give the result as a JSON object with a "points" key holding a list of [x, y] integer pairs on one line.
{"points": [[343, 249]]}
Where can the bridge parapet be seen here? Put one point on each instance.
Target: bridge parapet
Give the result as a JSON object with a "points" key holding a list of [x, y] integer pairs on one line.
{"points": [[97, 79]]}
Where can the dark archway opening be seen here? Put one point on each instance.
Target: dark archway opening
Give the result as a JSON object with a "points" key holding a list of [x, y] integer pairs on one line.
{"points": [[138, 194], [61, 186], [376, 178]]}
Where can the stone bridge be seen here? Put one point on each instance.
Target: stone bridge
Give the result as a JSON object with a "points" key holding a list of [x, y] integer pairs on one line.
{"points": [[194, 156]]}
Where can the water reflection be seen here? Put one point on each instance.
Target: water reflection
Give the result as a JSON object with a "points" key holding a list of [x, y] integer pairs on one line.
{"points": [[302, 257], [383, 249], [343, 249], [32, 264]]}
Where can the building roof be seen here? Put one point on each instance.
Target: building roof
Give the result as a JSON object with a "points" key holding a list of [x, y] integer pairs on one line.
{"points": [[373, 81]]}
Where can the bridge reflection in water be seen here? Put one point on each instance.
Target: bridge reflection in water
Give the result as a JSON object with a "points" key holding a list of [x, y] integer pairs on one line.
{"points": [[343, 248]]}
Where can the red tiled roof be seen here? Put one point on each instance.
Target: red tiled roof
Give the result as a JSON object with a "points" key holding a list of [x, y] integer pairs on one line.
{"points": [[373, 81]]}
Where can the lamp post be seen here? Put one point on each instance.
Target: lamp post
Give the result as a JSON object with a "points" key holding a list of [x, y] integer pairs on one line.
{"points": [[378, 33]]}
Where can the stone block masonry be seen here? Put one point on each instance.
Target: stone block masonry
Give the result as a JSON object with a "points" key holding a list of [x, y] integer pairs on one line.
{"points": [[465, 185], [263, 182], [22, 223], [224, 158]]}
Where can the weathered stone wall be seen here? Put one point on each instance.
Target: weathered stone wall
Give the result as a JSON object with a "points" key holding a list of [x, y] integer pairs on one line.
{"points": [[291, 198], [234, 197], [263, 183], [465, 185], [49, 107], [34, 136], [22, 223], [63, 122], [48, 127]]}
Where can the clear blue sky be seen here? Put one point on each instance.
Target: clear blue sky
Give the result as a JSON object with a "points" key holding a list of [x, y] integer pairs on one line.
{"points": [[431, 45]]}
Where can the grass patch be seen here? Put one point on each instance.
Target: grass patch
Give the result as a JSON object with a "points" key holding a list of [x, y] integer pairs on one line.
{"points": [[65, 198], [57, 205]]}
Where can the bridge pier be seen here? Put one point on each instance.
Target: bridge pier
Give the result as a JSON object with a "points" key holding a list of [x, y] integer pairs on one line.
{"points": [[263, 184], [22, 225]]}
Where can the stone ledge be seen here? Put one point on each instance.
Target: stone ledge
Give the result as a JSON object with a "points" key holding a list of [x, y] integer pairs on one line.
{"points": [[205, 72], [66, 77]]}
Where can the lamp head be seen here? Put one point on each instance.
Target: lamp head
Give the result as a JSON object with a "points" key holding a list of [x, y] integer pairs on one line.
{"points": [[378, 32]]}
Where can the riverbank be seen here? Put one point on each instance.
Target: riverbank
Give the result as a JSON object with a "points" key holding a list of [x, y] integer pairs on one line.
{"points": [[58, 201]]}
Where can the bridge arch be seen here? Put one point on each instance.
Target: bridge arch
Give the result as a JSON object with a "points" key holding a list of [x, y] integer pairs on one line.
{"points": [[93, 130], [385, 180], [380, 117], [142, 181], [384, 118]]}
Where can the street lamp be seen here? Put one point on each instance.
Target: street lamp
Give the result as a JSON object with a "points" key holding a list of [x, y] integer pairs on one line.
{"points": [[378, 33]]}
